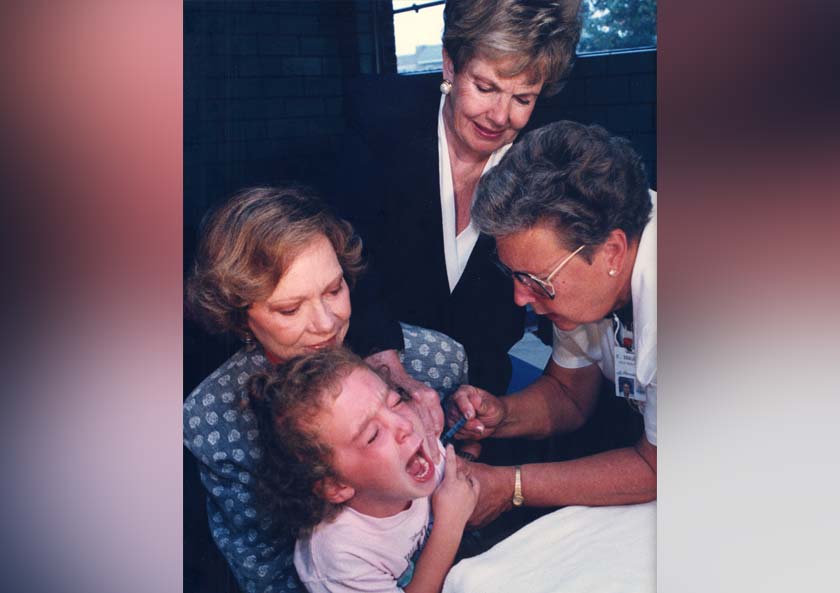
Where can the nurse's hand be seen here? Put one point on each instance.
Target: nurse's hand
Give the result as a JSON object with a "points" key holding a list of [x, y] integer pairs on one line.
{"points": [[484, 411], [495, 492]]}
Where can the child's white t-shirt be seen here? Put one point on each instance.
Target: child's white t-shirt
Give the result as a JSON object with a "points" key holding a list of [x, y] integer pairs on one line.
{"points": [[357, 552]]}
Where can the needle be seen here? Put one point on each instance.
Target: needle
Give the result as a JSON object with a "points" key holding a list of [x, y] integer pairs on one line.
{"points": [[451, 432]]}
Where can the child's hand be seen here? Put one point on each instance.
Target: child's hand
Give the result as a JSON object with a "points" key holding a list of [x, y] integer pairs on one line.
{"points": [[454, 500]]}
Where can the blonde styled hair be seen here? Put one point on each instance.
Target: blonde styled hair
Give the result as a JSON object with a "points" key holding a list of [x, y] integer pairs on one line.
{"points": [[541, 34], [250, 241]]}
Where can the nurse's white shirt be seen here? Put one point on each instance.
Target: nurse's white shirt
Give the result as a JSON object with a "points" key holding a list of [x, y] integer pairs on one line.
{"points": [[594, 343]]}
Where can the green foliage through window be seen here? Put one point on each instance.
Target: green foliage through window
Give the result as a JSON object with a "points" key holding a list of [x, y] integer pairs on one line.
{"points": [[617, 24]]}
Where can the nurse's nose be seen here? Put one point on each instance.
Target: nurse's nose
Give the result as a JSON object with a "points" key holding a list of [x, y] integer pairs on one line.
{"points": [[522, 295]]}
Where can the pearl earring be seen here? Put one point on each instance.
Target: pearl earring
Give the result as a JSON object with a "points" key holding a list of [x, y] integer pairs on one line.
{"points": [[612, 273], [445, 86]]}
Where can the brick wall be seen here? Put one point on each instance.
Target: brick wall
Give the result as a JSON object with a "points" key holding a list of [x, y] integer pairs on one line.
{"points": [[263, 88], [617, 91]]}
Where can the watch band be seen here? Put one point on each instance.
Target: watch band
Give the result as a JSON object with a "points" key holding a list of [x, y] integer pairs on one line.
{"points": [[518, 499]]}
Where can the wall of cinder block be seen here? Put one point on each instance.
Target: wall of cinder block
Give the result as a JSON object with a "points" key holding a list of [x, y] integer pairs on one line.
{"points": [[617, 91], [263, 88]]}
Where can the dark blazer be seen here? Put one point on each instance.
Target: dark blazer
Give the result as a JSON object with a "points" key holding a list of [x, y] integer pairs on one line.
{"points": [[388, 187]]}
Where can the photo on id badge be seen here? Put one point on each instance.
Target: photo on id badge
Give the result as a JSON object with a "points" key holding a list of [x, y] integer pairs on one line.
{"points": [[626, 387]]}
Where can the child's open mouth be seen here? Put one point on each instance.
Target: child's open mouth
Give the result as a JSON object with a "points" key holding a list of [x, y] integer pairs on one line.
{"points": [[420, 466]]}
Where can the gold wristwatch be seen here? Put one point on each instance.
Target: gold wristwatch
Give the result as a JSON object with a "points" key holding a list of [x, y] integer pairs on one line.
{"points": [[518, 499]]}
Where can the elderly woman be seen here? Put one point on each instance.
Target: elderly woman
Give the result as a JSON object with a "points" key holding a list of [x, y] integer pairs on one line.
{"points": [[575, 227], [410, 188], [275, 268]]}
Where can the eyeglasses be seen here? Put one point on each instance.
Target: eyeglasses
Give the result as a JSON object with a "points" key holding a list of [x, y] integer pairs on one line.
{"points": [[537, 285]]}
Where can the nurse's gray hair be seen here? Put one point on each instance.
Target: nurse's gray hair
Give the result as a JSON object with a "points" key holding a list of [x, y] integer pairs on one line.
{"points": [[579, 179], [540, 34]]}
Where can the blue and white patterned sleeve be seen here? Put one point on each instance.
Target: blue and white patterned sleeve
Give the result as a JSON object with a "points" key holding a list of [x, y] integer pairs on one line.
{"points": [[223, 437], [434, 358]]}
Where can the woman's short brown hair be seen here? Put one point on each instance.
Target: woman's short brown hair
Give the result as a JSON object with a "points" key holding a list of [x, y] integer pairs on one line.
{"points": [[542, 34], [250, 241]]}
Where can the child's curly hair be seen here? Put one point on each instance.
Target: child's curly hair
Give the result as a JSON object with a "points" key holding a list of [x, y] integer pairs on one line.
{"points": [[294, 460]]}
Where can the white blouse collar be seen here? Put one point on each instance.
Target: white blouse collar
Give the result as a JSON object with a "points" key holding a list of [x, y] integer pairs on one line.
{"points": [[457, 249]]}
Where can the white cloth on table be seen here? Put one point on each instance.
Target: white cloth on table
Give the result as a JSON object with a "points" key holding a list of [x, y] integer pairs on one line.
{"points": [[579, 549]]}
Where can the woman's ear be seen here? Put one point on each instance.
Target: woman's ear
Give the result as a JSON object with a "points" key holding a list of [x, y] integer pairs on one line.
{"points": [[334, 491], [614, 250], [448, 66]]}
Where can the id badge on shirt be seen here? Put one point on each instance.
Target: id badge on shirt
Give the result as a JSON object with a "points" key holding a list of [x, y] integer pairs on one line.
{"points": [[626, 385]]}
